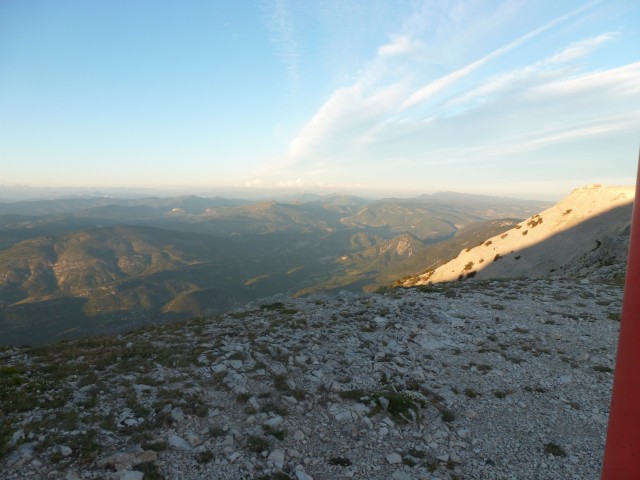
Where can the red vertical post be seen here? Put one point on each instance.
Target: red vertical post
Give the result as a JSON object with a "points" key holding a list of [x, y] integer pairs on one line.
{"points": [[622, 450]]}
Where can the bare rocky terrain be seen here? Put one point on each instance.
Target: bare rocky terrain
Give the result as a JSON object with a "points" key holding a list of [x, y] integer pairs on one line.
{"points": [[579, 233], [473, 380]]}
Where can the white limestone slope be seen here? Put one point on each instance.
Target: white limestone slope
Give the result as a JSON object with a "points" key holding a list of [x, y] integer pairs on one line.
{"points": [[581, 223]]}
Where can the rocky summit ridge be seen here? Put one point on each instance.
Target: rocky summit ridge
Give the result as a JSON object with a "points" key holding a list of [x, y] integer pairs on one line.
{"points": [[579, 235], [472, 380]]}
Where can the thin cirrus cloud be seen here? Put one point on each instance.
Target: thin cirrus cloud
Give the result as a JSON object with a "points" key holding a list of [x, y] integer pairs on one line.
{"points": [[580, 48], [541, 72], [279, 21], [400, 45], [442, 83], [386, 118], [355, 105]]}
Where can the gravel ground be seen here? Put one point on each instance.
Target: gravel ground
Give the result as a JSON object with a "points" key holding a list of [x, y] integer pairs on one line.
{"points": [[475, 380]]}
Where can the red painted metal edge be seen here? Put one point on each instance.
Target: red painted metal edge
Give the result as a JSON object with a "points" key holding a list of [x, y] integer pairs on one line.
{"points": [[622, 450]]}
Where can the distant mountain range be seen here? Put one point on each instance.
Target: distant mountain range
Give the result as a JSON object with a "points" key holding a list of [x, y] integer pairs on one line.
{"points": [[579, 235], [80, 266]]}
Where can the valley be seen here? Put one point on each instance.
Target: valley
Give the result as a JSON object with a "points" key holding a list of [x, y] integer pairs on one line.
{"points": [[84, 266]]}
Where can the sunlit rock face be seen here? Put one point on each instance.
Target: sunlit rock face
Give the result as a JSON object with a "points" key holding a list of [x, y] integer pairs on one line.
{"points": [[587, 227]]}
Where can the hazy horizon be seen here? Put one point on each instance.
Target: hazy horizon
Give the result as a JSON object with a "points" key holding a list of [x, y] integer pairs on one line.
{"points": [[18, 193], [508, 98]]}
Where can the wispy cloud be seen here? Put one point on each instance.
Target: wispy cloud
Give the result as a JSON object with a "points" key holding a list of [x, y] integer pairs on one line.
{"points": [[580, 48], [615, 81], [446, 81], [280, 23], [540, 73], [389, 121], [349, 111], [546, 136], [353, 113], [399, 45]]}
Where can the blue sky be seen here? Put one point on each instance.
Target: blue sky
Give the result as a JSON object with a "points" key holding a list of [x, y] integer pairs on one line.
{"points": [[516, 97]]}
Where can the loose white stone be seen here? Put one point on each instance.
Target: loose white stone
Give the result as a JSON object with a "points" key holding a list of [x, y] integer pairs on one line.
{"points": [[130, 475], [64, 450], [277, 457], [394, 458], [400, 475], [274, 421], [179, 442]]}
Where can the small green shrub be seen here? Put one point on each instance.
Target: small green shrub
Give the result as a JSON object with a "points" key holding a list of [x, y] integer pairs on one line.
{"points": [[257, 444], [269, 430], [483, 368], [555, 450], [205, 456], [280, 382], [502, 393], [150, 470], [602, 369], [448, 416], [470, 393], [5, 435]]}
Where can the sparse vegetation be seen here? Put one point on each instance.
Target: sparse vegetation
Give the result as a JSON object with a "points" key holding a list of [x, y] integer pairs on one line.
{"points": [[448, 416], [502, 393], [150, 470], [534, 221], [279, 307], [602, 369], [398, 404], [205, 456], [554, 449], [269, 430], [616, 316], [5, 435], [470, 393], [257, 444], [342, 461]]}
